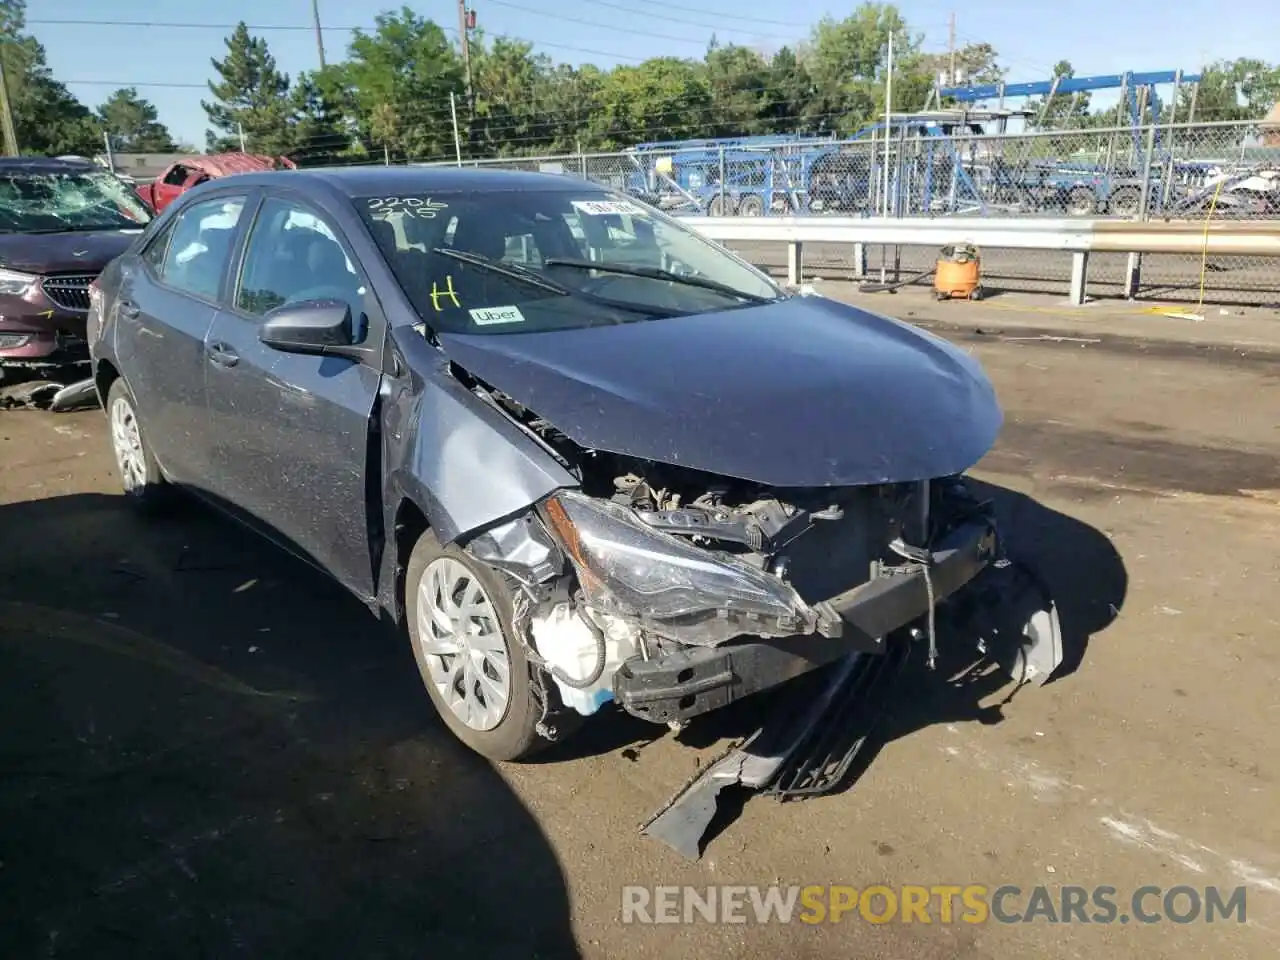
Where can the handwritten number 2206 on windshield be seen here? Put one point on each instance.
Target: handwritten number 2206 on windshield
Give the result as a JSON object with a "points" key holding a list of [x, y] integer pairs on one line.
{"points": [[422, 207]]}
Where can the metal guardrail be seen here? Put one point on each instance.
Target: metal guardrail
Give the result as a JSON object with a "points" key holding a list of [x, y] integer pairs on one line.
{"points": [[1078, 237]]}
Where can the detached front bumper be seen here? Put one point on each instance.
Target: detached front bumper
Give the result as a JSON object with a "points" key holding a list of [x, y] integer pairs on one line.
{"points": [[694, 681]]}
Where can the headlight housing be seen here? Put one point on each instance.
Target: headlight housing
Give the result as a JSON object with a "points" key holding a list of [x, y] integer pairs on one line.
{"points": [[674, 588], [15, 284]]}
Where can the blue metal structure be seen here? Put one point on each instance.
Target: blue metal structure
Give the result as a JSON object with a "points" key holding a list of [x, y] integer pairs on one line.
{"points": [[1072, 184]]}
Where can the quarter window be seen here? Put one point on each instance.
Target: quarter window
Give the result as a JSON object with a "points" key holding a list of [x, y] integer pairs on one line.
{"points": [[293, 256], [200, 246]]}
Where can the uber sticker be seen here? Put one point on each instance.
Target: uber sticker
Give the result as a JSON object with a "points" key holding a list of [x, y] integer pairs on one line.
{"points": [[487, 316], [599, 208]]}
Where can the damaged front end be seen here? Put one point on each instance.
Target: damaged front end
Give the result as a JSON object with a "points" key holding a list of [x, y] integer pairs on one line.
{"points": [[673, 592]]}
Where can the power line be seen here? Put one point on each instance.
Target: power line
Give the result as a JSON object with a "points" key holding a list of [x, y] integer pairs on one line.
{"points": [[719, 28], [597, 24], [726, 16]]}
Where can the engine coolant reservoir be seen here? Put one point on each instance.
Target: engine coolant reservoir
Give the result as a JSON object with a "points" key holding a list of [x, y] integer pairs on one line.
{"points": [[566, 640]]}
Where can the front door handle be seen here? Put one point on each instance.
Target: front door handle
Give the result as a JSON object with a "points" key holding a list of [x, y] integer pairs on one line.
{"points": [[223, 355], [129, 310]]}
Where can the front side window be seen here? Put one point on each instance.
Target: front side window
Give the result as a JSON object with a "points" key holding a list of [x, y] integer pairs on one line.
{"points": [[200, 246], [568, 258], [37, 202], [293, 256]]}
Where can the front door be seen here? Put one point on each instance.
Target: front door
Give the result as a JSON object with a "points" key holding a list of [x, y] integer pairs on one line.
{"points": [[291, 432], [167, 302]]}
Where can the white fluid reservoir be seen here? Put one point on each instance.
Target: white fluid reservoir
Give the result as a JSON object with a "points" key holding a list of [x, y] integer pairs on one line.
{"points": [[565, 640]]}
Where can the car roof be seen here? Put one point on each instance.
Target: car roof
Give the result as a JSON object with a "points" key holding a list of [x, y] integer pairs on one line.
{"points": [[363, 181], [38, 165]]}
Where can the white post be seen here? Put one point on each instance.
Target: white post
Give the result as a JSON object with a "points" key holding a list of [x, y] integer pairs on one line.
{"points": [[457, 141], [795, 262], [240, 130], [1079, 275]]}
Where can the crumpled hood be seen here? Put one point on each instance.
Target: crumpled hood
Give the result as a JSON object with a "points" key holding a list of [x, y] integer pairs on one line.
{"points": [[805, 392], [72, 252]]}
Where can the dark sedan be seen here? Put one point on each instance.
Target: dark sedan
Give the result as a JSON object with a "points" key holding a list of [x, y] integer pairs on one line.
{"points": [[581, 453], [61, 222]]}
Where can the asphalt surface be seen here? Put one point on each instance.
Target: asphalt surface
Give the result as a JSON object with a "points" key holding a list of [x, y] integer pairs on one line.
{"points": [[208, 750]]}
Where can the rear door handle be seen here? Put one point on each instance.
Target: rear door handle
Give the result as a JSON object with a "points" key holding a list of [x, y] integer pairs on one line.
{"points": [[223, 355], [129, 310]]}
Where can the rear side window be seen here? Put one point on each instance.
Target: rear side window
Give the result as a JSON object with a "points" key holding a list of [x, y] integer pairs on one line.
{"points": [[200, 245], [157, 247]]}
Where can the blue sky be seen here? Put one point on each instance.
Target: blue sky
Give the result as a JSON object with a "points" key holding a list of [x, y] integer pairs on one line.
{"points": [[1097, 36]]}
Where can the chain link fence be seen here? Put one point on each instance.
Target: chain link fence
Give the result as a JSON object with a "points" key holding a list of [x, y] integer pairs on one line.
{"points": [[1211, 171]]}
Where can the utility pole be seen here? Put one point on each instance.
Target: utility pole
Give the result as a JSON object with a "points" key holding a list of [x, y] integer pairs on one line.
{"points": [[6, 114], [465, 20], [951, 46], [315, 17]]}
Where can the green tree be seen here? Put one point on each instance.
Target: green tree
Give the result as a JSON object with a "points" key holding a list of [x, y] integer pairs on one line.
{"points": [[1064, 110], [848, 61], [321, 106], [664, 98], [133, 124], [976, 63], [47, 118], [252, 99], [738, 79], [509, 114], [398, 80], [788, 91]]}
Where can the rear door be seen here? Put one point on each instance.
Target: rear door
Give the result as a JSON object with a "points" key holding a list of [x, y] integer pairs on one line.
{"points": [[292, 439], [167, 300]]}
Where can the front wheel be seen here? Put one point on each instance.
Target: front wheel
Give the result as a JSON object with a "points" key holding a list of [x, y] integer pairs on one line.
{"points": [[140, 475], [459, 614]]}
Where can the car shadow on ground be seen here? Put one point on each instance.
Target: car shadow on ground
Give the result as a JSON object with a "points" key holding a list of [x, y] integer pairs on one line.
{"points": [[210, 750]]}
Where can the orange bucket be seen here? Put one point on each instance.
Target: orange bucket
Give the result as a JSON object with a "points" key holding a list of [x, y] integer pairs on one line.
{"points": [[958, 273]]}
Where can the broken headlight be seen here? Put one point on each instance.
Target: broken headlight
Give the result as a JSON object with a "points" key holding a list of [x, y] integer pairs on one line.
{"points": [[627, 568]]}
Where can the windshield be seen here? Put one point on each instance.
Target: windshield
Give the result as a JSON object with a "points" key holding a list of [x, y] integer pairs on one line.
{"points": [[443, 246], [56, 202]]}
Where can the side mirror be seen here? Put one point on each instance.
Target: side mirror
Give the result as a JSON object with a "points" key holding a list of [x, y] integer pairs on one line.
{"points": [[314, 327]]}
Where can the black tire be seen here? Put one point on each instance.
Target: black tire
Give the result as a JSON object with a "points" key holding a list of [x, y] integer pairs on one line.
{"points": [[1081, 202], [720, 206], [1125, 202], [515, 736], [141, 478], [751, 206]]}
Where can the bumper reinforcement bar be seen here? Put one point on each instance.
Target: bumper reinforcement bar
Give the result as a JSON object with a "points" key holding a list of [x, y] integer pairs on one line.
{"points": [[697, 680]]}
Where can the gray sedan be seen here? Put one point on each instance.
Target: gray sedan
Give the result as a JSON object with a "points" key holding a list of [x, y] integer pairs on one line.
{"points": [[580, 454]]}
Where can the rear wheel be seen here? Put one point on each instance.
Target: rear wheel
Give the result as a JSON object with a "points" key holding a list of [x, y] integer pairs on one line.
{"points": [[1081, 202], [751, 206], [459, 614], [140, 475]]}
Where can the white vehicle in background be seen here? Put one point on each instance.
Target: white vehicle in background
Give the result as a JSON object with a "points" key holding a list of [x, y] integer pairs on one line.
{"points": [[101, 161]]}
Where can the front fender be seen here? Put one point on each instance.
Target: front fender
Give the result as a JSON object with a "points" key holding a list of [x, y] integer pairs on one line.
{"points": [[463, 462]]}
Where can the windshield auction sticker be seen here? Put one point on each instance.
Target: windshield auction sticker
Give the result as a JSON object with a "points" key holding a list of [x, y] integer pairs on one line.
{"points": [[488, 316], [602, 208]]}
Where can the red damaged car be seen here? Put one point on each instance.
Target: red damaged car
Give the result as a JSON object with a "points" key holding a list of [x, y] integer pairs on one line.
{"points": [[61, 223], [190, 171]]}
